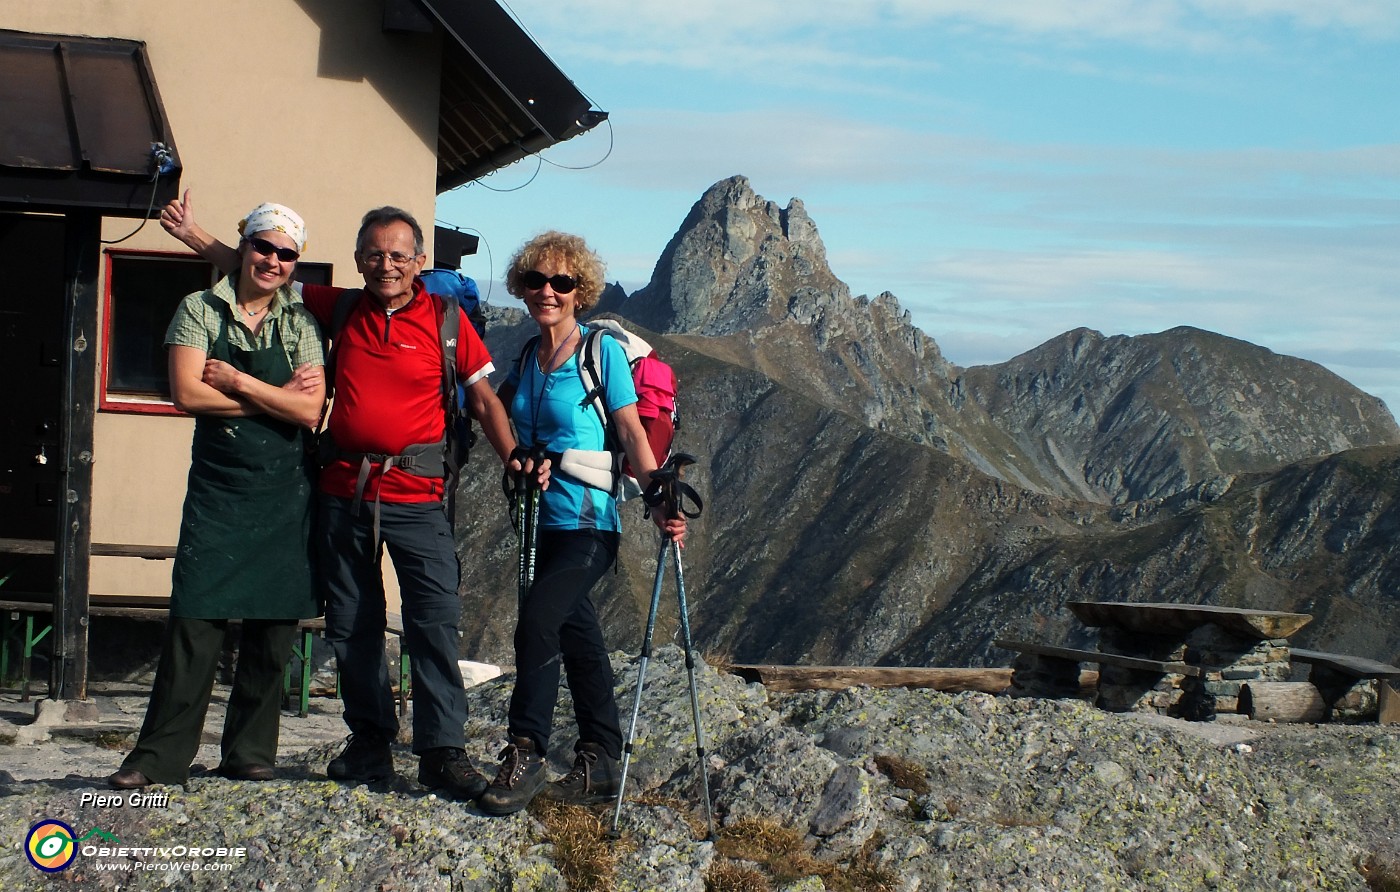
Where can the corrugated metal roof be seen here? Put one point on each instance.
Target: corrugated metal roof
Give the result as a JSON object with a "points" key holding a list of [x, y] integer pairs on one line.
{"points": [[81, 115], [502, 97]]}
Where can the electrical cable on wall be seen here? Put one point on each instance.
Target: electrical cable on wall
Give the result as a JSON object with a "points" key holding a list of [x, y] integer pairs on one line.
{"points": [[162, 162]]}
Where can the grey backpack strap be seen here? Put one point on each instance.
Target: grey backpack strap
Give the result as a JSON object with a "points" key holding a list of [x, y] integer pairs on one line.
{"points": [[589, 365]]}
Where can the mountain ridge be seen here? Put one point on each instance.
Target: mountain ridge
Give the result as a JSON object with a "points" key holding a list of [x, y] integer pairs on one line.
{"points": [[869, 502]]}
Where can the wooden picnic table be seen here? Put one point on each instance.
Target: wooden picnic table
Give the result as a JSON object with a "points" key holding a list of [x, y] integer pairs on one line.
{"points": [[1158, 618]]}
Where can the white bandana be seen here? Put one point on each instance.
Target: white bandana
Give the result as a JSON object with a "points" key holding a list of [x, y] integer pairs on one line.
{"points": [[268, 216]]}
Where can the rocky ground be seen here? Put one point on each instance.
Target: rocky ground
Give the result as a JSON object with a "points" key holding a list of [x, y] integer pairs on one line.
{"points": [[867, 789]]}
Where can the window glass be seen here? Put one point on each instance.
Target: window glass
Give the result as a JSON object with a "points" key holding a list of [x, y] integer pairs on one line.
{"points": [[143, 293]]}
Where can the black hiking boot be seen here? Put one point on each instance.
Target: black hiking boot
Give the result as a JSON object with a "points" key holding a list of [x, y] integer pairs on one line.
{"points": [[365, 758], [520, 777], [451, 771], [594, 778]]}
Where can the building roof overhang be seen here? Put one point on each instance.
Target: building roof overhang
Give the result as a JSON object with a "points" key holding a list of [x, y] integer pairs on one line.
{"points": [[502, 98], [84, 127]]}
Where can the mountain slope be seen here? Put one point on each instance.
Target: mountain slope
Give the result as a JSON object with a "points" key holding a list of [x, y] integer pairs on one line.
{"points": [[1082, 416], [868, 502]]}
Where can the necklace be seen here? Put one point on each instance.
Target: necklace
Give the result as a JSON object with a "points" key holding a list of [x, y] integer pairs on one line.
{"points": [[549, 367], [252, 313], [544, 383]]}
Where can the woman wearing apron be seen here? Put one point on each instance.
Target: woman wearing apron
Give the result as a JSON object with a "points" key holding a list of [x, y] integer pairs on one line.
{"points": [[246, 360]]}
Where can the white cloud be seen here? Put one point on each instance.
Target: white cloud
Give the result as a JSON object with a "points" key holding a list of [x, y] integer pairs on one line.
{"points": [[995, 244], [737, 33]]}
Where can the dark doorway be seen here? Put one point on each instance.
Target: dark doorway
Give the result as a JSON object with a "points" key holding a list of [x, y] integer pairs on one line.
{"points": [[31, 335]]}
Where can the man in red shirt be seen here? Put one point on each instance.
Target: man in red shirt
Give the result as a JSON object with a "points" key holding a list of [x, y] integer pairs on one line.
{"points": [[388, 397]]}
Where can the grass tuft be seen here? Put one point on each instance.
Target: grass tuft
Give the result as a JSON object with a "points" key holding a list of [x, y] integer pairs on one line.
{"points": [[727, 875], [1382, 874], [111, 740], [903, 773], [782, 854], [582, 852]]}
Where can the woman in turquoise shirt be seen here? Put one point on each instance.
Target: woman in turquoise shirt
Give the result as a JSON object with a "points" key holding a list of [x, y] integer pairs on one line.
{"points": [[557, 276]]}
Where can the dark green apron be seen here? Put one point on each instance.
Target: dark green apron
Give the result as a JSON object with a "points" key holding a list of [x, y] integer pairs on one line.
{"points": [[245, 535]]}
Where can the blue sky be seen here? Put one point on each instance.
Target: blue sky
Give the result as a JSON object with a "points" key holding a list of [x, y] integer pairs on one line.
{"points": [[1009, 169]]}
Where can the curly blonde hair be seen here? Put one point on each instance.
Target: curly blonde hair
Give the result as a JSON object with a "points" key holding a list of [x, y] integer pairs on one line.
{"points": [[560, 249]]}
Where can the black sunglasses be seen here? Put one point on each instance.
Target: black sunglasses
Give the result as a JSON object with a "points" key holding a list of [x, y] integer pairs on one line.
{"points": [[267, 249], [535, 280]]}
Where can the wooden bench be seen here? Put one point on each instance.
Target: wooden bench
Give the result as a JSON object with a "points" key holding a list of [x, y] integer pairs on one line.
{"points": [[1094, 656], [302, 655], [1388, 712], [1356, 667], [1159, 618], [17, 625]]}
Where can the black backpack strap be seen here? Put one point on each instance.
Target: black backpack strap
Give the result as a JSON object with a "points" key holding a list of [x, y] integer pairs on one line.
{"points": [[531, 345], [340, 314], [506, 392], [449, 319]]}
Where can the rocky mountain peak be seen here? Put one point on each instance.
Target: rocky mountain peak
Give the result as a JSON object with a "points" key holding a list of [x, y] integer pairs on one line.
{"points": [[738, 262]]}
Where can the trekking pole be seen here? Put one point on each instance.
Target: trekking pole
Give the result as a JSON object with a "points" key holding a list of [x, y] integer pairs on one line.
{"points": [[532, 523], [641, 682], [694, 695], [525, 511], [666, 489]]}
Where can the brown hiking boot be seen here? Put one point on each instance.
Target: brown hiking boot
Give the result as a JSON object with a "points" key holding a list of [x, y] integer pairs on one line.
{"points": [[520, 777], [594, 778], [451, 771], [366, 757]]}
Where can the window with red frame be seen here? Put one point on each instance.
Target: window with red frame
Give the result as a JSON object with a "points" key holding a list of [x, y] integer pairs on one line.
{"points": [[143, 290]]}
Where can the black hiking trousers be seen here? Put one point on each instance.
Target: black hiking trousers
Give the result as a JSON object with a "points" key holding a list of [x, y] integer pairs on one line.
{"points": [[559, 621]]}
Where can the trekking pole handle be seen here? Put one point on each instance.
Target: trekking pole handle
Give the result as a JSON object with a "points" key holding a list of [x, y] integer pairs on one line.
{"points": [[525, 480], [517, 484], [668, 489]]}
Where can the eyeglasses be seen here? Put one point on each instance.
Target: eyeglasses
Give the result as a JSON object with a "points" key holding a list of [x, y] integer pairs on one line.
{"points": [[535, 280], [373, 258], [268, 249]]}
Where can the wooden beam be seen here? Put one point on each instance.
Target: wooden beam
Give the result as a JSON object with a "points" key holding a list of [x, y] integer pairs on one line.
{"points": [[1357, 667], [1164, 618], [839, 678], [68, 673], [99, 549], [1283, 701], [1388, 712], [1097, 656]]}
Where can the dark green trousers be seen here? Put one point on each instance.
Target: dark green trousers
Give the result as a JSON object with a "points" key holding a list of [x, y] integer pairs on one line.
{"points": [[189, 658]]}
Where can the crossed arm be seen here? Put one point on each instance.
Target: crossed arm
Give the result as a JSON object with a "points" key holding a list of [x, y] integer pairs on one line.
{"points": [[203, 386]]}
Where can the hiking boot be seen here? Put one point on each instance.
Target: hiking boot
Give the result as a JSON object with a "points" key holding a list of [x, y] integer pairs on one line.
{"points": [[365, 758], [594, 778], [450, 770], [520, 777]]}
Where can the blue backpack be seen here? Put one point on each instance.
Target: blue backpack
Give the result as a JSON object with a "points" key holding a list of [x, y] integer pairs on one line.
{"points": [[451, 284]]}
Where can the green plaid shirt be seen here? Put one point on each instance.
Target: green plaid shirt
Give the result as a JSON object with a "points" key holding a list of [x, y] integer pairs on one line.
{"points": [[197, 322]]}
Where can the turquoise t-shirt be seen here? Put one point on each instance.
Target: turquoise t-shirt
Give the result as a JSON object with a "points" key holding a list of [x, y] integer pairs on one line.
{"points": [[549, 410]]}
